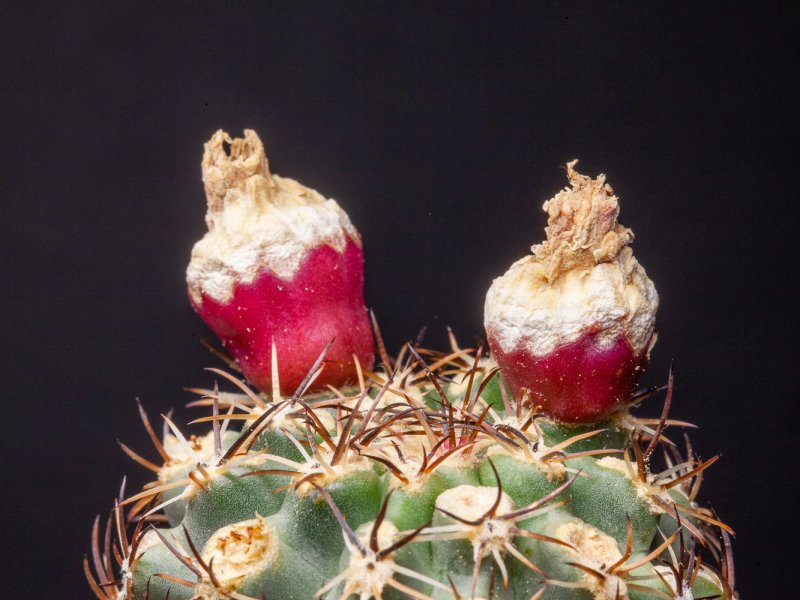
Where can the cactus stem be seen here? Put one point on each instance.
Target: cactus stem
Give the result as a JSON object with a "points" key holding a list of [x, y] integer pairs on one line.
{"points": [[437, 466]]}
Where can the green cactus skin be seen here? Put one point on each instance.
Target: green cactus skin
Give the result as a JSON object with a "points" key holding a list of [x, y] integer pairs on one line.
{"points": [[351, 495]]}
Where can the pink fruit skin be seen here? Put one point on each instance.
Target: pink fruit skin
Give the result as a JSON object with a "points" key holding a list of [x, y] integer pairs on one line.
{"points": [[578, 382], [324, 300]]}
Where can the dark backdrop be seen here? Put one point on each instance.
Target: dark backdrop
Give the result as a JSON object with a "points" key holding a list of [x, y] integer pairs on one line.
{"points": [[441, 128]]}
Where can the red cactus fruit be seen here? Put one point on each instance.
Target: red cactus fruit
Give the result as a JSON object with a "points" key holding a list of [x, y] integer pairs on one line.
{"points": [[280, 264], [571, 326]]}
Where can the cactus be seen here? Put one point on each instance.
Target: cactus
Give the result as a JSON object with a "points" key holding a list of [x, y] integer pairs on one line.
{"points": [[519, 474]]}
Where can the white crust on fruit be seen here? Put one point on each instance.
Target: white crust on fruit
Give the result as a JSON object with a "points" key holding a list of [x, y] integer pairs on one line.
{"points": [[257, 221], [583, 278]]}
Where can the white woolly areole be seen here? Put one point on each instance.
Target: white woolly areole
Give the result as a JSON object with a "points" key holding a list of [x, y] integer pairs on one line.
{"points": [[367, 575], [239, 550], [583, 277], [471, 502], [257, 221], [179, 458], [596, 550]]}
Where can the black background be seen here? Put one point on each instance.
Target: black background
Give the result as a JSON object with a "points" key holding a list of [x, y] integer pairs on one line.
{"points": [[441, 128]]}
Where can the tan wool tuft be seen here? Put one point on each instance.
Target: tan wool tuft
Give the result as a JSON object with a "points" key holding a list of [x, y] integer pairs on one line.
{"points": [[257, 221]]}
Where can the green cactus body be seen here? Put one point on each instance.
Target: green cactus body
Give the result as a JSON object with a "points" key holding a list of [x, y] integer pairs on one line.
{"points": [[477, 503]]}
